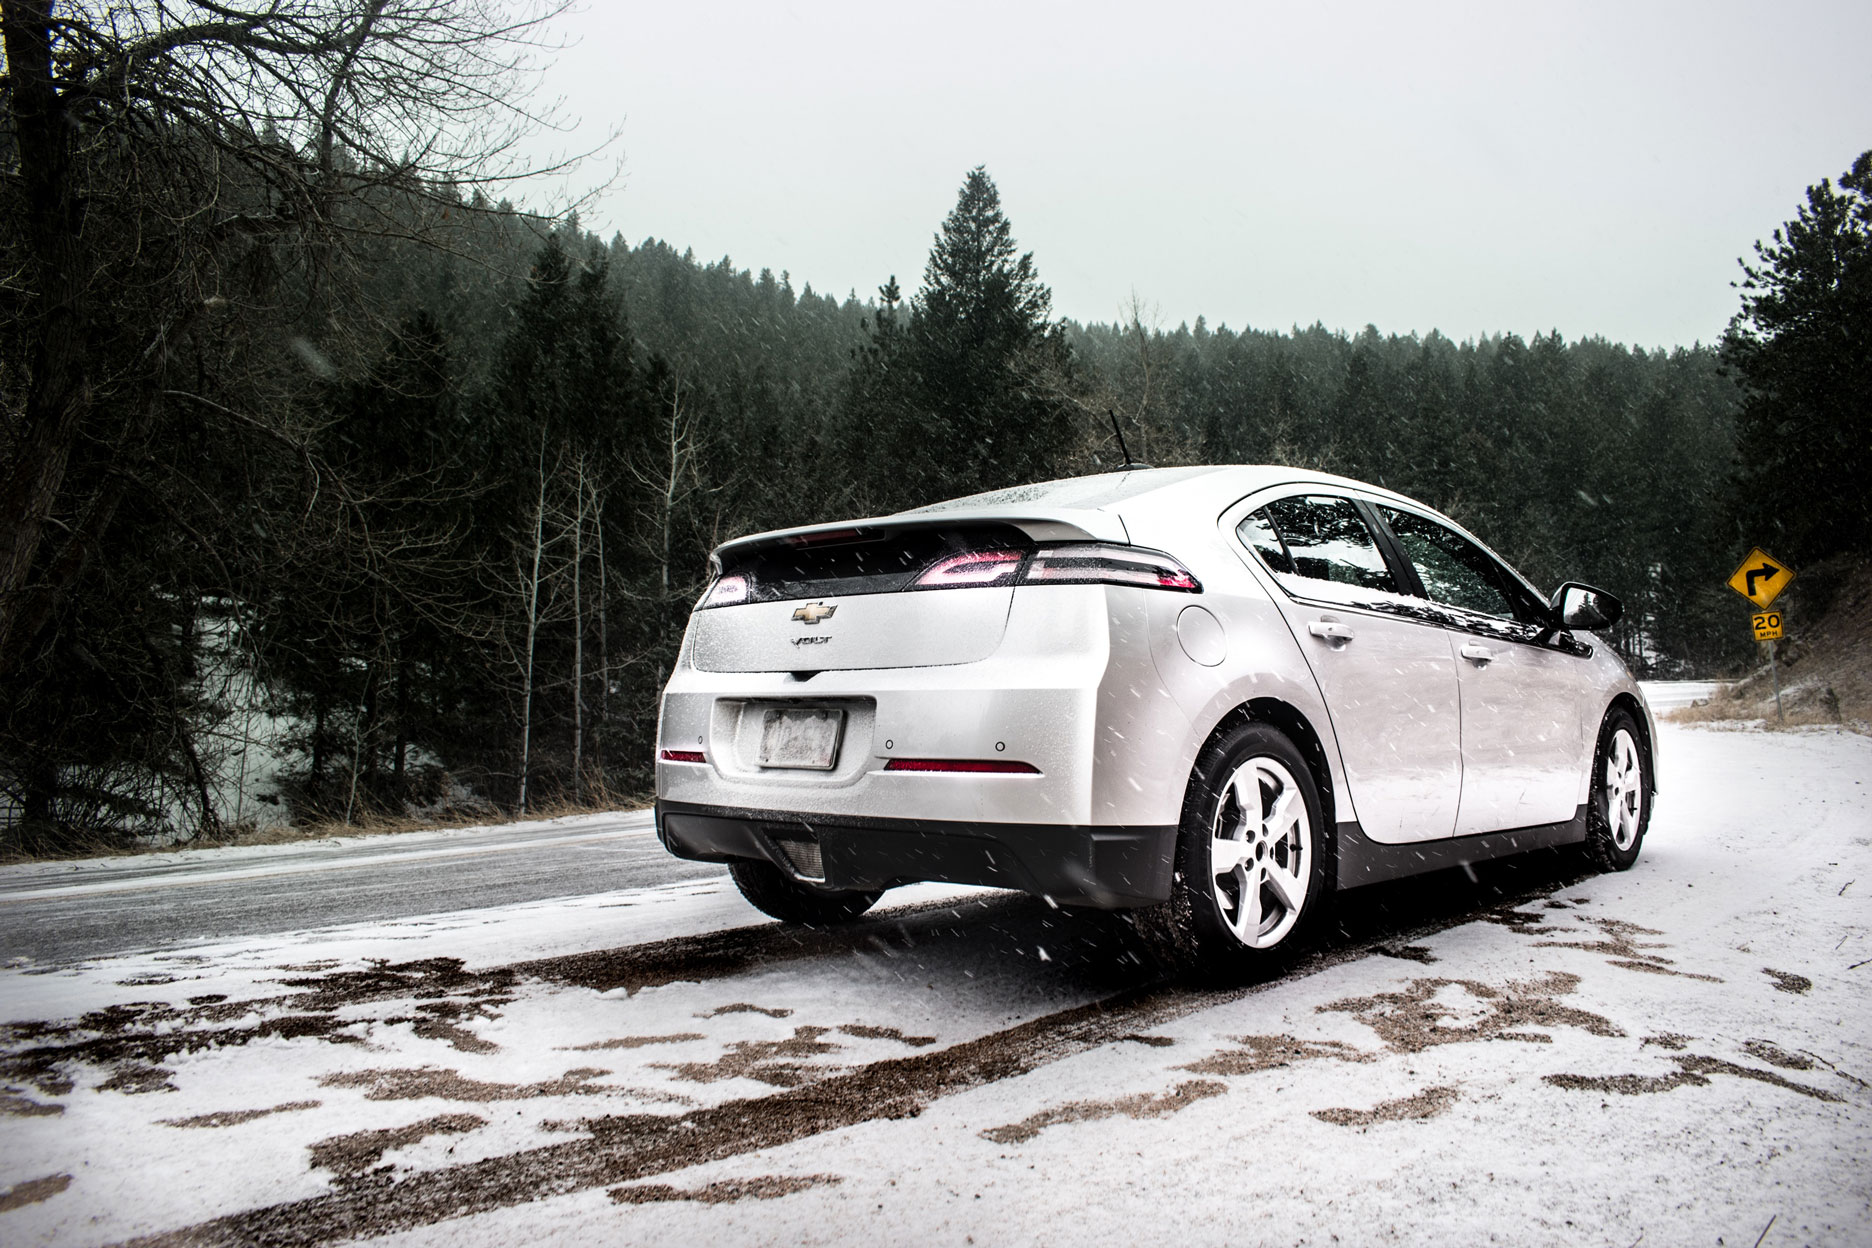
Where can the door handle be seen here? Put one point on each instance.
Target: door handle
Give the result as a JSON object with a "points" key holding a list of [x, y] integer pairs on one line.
{"points": [[1479, 655], [1335, 633]]}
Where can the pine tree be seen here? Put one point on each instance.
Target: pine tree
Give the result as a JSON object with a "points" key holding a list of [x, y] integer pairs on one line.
{"points": [[970, 394], [1802, 349]]}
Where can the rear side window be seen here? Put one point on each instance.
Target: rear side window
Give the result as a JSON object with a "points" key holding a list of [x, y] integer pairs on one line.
{"points": [[1315, 539]]}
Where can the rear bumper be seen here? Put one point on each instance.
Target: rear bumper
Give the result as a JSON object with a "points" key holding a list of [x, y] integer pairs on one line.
{"points": [[1106, 867]]}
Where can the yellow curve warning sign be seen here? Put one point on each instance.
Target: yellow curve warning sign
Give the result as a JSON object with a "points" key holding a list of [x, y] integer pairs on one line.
{"points": [[1761, 578]]}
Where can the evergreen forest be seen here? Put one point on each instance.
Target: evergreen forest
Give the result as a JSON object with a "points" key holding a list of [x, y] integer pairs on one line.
{"points": [[331, 486]]}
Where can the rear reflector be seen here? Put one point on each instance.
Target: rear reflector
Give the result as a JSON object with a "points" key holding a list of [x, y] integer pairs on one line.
{"points": [[993, 766], [682, 756]]}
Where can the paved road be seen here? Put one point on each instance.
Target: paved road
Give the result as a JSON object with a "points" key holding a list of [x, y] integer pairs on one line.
{"points": [[58, 913]]}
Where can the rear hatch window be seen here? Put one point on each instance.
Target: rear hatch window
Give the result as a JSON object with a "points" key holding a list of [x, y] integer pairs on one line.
{"points": [[856, 561]]}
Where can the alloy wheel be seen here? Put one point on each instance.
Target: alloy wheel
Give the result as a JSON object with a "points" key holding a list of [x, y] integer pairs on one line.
{"points": [[1260, 853], [1623, 789]]}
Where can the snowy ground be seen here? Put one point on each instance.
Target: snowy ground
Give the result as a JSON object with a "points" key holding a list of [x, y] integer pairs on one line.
{"points": [[1678, 1054]]}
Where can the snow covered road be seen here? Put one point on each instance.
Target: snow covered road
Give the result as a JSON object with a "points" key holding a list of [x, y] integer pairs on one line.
{"points": [[1677, 1054]]}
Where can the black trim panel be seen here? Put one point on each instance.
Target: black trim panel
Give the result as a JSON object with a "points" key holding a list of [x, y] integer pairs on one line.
{"points": [[1106, 867], [1365, 861]]}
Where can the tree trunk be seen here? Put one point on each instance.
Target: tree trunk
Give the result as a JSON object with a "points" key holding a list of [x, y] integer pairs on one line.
{"points": [[532, 629], [317, 780], [578, 641], [402, 719], [58, 394], [604, 649]]}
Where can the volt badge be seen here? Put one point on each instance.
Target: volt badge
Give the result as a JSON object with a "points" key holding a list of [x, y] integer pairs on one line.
{"points": [[813, 612]]}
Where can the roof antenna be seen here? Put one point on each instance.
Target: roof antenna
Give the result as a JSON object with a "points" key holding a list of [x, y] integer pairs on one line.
{"points": [[1129, 463]]}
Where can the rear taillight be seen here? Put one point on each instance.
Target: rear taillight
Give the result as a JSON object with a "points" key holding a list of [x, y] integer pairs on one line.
{"points": [[1097, 563], [972, 570], [975, 566], [1075, 563], [726, 592]]}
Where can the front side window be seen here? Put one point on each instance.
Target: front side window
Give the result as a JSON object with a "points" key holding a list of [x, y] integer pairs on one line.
{"points": [[1315, 541], [1453, 569]]}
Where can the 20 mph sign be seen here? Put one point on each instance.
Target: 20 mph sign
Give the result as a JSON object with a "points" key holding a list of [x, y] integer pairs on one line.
{"points": [[1761, 578]]}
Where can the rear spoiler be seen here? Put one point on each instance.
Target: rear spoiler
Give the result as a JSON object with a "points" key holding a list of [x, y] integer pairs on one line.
{"points": [[1049, 525]]}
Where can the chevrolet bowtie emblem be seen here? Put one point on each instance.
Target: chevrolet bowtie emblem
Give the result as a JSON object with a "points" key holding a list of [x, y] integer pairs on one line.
{"points": [[813, 612]]}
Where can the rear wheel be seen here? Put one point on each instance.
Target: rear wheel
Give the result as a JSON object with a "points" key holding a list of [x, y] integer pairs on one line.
{"points": [[773, 892], [1251, 869], [1619, 809]]}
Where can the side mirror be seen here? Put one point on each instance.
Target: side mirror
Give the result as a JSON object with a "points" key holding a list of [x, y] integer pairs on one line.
{"points": [[1581, 606]]}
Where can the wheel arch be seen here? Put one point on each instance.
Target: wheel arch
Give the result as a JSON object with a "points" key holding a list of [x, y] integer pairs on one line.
{"points": [[1292, 722], [1624, 701]]}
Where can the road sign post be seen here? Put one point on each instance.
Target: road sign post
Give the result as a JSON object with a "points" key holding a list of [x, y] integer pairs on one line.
{"points": [[1760, 579]]}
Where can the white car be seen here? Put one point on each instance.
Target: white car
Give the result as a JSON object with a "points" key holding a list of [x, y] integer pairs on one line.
{"points": [[1212, 693]]}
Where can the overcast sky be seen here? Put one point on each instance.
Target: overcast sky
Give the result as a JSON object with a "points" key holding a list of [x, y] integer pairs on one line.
{"points": [[1472, 168]]}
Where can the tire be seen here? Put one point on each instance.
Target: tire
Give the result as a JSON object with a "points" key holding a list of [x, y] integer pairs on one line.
{"points": [[773, 892], [1247, 919], [1618, 804]]}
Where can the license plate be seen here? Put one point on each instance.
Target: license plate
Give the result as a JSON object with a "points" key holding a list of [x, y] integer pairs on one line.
{"points": [[803, 737]]}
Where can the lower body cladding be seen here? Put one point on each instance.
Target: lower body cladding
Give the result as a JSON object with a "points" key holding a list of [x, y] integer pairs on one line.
{"points": [[1105, 867]]}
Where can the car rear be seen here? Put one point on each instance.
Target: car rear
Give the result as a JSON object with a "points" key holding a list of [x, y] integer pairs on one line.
{"points": [[963, 697]]}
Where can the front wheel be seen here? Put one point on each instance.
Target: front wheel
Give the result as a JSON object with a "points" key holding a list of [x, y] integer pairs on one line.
{"points": [[1619, 808], [773, 892], [1251, 867]]}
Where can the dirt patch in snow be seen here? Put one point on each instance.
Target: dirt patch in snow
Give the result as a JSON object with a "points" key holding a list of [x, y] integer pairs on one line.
{"points": [[1693, 1071], [1257, 1053], [136, 1079], [1622, 948], [234, 1117], [1138, 1105], [455, 1036], [353, 1154], [633, 1042], [1424, 1015], [1668, 1040], [1407, 953], [1774, 1055], [33, 1191], [14, 1105], [1618, 940], [769, 1061], [765, 1187], [1425, 1104], [742, 1007], [447, 1085], [1787, 981], [864, 1032], [130, 1043]]}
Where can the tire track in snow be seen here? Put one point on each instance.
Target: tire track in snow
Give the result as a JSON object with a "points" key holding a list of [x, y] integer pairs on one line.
{"points": [[622, 1148]]}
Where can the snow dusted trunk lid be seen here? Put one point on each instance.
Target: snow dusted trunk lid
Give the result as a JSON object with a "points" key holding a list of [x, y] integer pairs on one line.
{"points": [[835, 598]]}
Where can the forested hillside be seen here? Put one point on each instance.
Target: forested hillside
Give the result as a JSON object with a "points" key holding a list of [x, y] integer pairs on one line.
{"points": [[333, 487]]}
